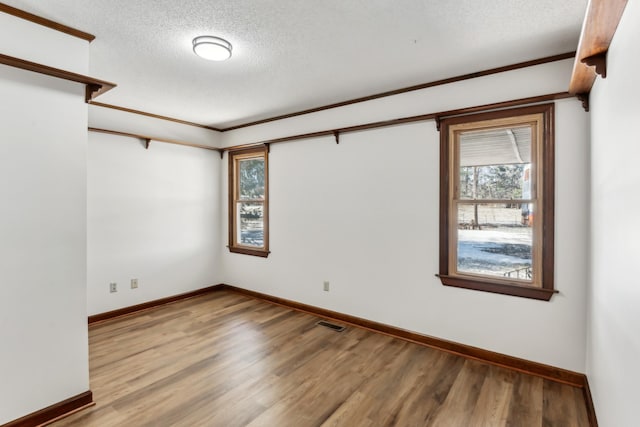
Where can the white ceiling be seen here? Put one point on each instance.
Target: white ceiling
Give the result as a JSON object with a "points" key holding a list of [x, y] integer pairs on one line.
{"points": [[291, 55]]}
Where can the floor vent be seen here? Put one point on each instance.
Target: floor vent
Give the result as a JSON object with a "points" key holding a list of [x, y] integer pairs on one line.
{"points": [[330, 325]]}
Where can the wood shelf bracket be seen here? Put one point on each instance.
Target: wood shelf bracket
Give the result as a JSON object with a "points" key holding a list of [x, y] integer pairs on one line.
{"points": [[147, 142], [93, 86], [336, 135], [584, 98], [91, 90], [600, 24], [599, 61]]}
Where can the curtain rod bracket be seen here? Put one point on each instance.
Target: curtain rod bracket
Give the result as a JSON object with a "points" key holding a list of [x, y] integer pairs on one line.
{"points": [[437, 119]]}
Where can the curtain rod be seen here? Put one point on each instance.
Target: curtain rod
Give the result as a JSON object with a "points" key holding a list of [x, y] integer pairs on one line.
{"points": [[393, 122]]}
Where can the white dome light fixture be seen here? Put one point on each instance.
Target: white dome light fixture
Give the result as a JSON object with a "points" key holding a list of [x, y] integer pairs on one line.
{"points": [[212, 48]]}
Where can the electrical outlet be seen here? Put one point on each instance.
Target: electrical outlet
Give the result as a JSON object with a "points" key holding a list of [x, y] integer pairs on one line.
{"points": [[134, 283], [326, 286], [113, 287]]}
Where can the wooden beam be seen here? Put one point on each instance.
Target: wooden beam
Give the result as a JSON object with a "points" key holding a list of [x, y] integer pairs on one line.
{"points": [[55, 412], [600, 24]]}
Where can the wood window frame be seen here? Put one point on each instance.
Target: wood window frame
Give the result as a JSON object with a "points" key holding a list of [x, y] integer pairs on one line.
{"points": [[544, 243], [234, 157]]}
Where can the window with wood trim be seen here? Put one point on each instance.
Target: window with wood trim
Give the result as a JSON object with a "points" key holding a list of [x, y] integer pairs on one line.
{"points": [[249, 201], [497, 201]]}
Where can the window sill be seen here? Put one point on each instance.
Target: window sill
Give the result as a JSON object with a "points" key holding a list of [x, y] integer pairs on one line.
{"points": [[497, 287], [248, 251]]}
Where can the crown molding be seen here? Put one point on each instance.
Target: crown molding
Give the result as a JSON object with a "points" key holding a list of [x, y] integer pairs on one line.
{"points": [[46, 22], [448, 80]]}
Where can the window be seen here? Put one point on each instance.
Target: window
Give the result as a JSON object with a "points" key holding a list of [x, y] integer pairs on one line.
{"points": [[496, 201], [249, 201]]}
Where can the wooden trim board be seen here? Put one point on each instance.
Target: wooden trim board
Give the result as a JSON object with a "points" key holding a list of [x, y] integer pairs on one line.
{"points": [[46, 22], [54, 412], [588, 400], [427, 85], [552, 373], [449, 80], [148, 139], [600, 24], [155, 116], [94, 87], [150, 304], [437, 116], [532, 368]]}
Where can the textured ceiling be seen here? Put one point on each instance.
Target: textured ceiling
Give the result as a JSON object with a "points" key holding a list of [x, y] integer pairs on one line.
{"points": [[291, 55]]}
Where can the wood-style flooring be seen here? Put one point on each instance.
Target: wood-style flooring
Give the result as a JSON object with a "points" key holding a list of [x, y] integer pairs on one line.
{"points": [[225, 359]]}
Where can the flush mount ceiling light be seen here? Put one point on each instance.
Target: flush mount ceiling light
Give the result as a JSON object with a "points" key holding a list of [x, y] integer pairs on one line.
{"points": [[212, 48]]}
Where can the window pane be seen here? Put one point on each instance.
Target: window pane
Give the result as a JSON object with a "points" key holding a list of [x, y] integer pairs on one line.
{"points": [[250, 223], [493, 163], [495, 240], [251, 175]]}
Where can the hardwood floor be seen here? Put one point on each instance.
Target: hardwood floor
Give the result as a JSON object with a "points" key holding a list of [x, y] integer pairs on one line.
{"points": [[225, 359]]}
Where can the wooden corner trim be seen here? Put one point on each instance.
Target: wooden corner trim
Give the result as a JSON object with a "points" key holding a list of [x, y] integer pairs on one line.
{"points": [[94, 86], [101, 317], [521, 365], [496, 287], [55, 411], [588, 400], [46, 22], [600, 24], [248, 251], [155, 116]]}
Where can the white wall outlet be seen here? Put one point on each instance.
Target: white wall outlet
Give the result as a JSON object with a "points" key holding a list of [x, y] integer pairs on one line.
{"points": [[134, 283], [326, 286], [113, 287]]}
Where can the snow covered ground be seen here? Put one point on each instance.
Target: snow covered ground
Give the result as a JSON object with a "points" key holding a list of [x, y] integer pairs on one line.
{"points": [[494, 251]]}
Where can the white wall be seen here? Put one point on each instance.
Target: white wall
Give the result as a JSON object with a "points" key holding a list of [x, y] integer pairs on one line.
{"points": [[153, 215], [43, 316], [533, 81], [364, 216], [613, 348], [43, 45]]}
